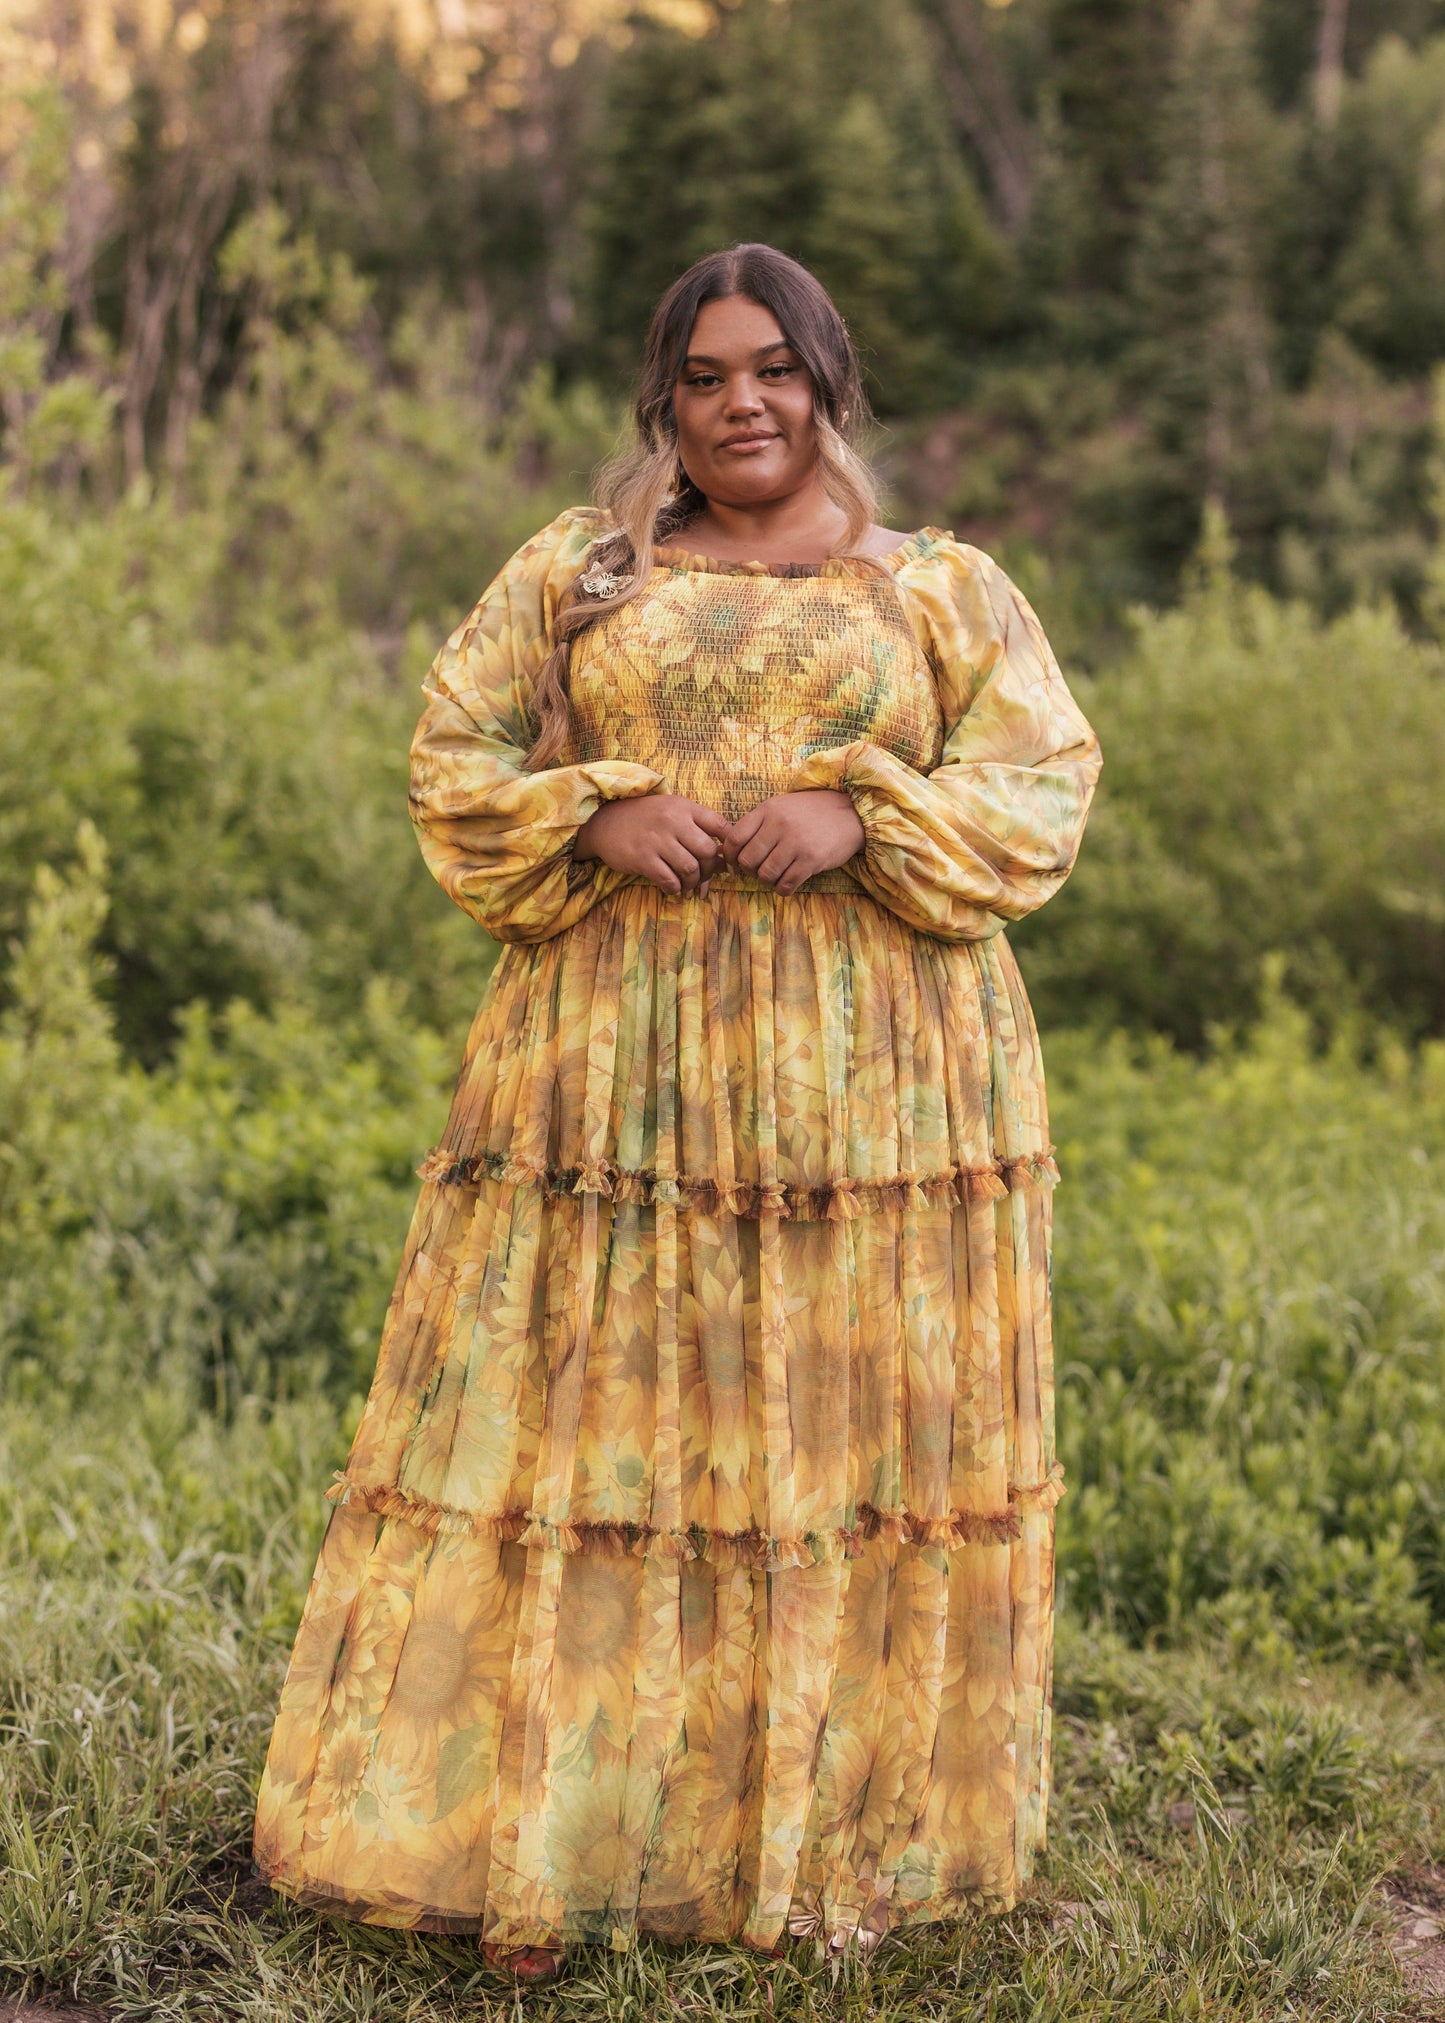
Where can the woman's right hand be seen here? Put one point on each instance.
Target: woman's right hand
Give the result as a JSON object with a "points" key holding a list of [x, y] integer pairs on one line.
{"points": [[673, 843]]}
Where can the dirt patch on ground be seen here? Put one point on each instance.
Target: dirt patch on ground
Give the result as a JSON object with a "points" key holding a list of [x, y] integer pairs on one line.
{"points": [[13, 2010], [1416, 1902]]}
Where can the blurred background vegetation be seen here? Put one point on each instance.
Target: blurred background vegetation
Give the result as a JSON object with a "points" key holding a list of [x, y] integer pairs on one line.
{"points": [[312, 310]]}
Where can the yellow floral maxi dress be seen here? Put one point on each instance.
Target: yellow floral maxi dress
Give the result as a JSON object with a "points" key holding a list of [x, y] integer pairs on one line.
{"points": [[692, 1568]]}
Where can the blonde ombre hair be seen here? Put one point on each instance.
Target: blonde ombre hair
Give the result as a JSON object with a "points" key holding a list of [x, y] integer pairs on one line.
{"points": [[644, 488]]}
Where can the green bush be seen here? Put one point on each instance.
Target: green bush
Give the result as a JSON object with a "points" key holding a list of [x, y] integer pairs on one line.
{"points": [[227, 1224], [224, 677], [1270, 785], [251, 792]]}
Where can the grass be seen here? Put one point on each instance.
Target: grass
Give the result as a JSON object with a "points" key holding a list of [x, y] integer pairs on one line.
{"points": [[1220, 1830]]}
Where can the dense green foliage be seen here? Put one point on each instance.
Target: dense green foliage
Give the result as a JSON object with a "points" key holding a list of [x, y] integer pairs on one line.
{"points": [[225, 1224], [215, 685], [824, 135], [1270, 789]]}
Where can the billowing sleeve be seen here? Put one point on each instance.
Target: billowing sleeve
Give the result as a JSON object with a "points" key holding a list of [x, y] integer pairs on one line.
{"points": [[497, 838], [992, 831]]}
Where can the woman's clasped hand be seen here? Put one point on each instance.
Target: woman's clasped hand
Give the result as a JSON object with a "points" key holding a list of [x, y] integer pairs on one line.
{"points": [[678, 845], [674, 843]]}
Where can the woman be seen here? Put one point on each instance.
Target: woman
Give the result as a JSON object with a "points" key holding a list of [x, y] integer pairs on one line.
{"points": [[692, 1567]]}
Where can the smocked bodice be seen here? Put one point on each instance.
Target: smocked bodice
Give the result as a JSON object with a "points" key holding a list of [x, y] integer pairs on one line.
{"points": [[725, 679], [920, 684]]}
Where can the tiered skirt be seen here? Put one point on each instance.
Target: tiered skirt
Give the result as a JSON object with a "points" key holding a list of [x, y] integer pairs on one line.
{"points": [[692, 1569]]}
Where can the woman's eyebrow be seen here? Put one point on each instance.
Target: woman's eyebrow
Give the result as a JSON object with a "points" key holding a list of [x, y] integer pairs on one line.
{"points": [[700, 358]]}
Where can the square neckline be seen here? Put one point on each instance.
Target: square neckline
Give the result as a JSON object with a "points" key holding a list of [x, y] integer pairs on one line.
{"points": [[680, 559]]}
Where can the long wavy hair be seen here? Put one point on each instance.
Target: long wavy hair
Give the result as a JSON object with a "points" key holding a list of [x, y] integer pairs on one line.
{"points": [[644, 487]]}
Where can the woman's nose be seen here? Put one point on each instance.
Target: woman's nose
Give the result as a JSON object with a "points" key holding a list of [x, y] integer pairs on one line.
{"points": [[744, 397]]}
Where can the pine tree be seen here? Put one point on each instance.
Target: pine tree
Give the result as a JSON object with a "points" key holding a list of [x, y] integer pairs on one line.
{"points": [[1108, 77], [815, 126], [1287, 38], [1203, 359]]}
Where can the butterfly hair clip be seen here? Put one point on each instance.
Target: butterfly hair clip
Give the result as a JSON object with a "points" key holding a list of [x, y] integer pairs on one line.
{"points": [[600, 582]]}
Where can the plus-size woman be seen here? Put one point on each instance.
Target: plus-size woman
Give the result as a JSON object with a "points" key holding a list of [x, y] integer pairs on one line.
{"points": [[692, 1568]]}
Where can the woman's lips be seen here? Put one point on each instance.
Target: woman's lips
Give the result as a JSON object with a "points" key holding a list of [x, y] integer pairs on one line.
{"points": [[742, 446]]}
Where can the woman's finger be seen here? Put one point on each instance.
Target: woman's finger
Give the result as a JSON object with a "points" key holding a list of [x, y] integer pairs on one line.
{"points": [[703, 846], [776, 862], [661, 874], [683, 861], [801, 869], [755, 852], [742, 833], [716, 825]]}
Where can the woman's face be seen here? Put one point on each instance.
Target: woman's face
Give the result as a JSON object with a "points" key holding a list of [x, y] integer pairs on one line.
{"points": [[744, 406]]}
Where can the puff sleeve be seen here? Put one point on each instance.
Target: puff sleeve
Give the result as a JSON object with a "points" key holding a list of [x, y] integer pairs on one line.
{"points": [[993, 830], [497, 838]]}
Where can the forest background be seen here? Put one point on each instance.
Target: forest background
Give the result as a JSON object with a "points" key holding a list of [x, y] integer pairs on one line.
{"points": [[310, 312]]}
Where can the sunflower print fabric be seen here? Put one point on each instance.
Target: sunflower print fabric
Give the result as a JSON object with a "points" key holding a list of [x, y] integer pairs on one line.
{"points": [[692, 1569]]}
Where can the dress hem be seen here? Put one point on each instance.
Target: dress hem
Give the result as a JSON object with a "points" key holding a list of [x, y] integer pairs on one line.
{"points": [[397, 1916]]}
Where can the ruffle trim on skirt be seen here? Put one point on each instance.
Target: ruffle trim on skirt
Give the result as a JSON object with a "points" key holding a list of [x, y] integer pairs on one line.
{"points": [[753, 1548], [839, 1200]]}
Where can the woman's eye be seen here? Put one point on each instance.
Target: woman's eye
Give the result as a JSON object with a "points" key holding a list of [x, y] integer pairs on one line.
{"points": [[778, 371]]}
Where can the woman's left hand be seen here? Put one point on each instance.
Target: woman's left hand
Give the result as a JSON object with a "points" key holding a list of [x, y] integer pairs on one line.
{"points": [[788, 838]]}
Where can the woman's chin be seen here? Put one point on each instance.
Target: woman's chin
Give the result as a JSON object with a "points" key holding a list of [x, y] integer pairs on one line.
{"points": [[744, 489]]}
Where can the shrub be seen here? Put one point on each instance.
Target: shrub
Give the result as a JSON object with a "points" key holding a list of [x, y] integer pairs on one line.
{"points": [[1270, 786], [228, 1223]]}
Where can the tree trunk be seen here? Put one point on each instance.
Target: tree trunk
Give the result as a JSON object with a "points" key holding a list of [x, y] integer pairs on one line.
{"points": [[983, 107], [1330, 61]]}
